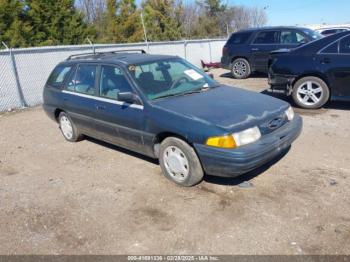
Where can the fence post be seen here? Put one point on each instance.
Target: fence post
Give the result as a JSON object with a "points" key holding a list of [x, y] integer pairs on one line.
{"points": [[18, 84], [211, 59]]}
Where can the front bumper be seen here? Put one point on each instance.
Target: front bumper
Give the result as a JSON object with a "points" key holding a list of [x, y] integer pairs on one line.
{"points": [[235, 162], [281, 83]]}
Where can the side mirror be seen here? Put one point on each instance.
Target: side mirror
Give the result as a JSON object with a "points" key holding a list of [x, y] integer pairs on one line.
{"points": [[211, 75], [129, 98]]}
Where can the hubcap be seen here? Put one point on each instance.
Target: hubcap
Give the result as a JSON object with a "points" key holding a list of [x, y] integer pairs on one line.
{"points": [[239, 68], [309, 93], [66, 127], [176, 163]]}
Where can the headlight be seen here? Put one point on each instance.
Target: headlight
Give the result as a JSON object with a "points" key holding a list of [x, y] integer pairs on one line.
{"points": [[290, 113], [235, 140]]}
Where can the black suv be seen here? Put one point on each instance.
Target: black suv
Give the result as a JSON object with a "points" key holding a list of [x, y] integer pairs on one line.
{"points": [[248, 51]]}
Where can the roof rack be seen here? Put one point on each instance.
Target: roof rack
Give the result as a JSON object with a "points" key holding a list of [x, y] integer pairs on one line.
{"points": [[107, 52]]}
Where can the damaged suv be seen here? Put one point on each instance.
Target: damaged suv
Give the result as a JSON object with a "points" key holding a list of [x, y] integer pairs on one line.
{"points": [[165, 108]]}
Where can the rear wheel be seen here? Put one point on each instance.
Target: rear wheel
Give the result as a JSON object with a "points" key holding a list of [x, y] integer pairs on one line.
{"points": [[240, 68], [310, 92], [179, 162], [68, 129]]}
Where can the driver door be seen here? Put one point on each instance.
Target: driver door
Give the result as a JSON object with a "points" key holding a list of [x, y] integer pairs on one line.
{"points": [[116, 121]]}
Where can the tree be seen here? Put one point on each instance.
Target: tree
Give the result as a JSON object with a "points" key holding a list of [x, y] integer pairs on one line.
{"points": [[209, 19], [14, 27], [55, 22], [161, 20], [129, 23]]}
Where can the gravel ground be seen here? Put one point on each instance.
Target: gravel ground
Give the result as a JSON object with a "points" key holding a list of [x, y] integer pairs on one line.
{"points": [[89, 197]]}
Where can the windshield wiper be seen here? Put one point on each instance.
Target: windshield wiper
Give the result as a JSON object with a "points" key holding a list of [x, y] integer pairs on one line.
{"points": [[198, 90]]}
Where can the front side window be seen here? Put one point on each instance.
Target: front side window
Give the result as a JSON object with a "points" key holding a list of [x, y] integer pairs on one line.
{"points": [[292, 37], [170, 77], [83, 81], [312, 34], [344, 47], [267, 37], [113, 81], [58, 75]]}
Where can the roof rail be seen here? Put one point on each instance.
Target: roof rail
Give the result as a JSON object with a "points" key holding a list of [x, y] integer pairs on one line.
{"points": [[107, 52]]}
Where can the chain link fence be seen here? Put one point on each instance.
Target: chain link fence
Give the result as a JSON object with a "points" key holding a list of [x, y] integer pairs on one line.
{"points": [[23, 72]]}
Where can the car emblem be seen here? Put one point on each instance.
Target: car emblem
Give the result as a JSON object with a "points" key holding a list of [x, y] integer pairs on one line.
{"points": [[275, 123]]}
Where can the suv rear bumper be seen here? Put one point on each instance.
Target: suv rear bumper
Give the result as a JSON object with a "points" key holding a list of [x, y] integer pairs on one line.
{"points": [[235, 162], [225, 62]]}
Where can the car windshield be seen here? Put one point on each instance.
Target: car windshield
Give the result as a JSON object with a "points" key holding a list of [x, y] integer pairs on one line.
{"points": [[170, 77], [313, 34]]}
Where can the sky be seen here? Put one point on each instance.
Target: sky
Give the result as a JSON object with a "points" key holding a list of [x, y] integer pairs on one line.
{"points": [[301, 12]]}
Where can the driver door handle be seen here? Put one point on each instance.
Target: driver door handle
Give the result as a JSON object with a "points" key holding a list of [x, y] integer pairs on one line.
{"points": [[99, 107], [326, 60]]}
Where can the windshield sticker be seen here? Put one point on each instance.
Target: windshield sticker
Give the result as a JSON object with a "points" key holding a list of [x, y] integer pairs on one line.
{"points": [[193, 74]]}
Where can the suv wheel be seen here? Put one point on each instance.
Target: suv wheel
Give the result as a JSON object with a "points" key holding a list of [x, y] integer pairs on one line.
{"points": [[68, 128], [240, 68], [179, 162], [310, 92]]}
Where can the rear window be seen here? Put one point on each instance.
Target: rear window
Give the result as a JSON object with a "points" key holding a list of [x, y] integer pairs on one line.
{"points": [[58, 75], [239, 38]]}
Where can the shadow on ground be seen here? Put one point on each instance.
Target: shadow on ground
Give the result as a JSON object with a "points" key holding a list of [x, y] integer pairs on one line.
{"points": [[210, 179], [123, 150], [253, 75], [338, 105]]}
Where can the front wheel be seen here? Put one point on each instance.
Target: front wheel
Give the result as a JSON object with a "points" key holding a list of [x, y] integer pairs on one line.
{"points": [[240, 68], [310, 92], [179, 162]]}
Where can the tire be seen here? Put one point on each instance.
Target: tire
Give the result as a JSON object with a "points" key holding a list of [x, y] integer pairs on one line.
{"points": [[68, 129], [179, 162], [310, 93], [240, 68]]}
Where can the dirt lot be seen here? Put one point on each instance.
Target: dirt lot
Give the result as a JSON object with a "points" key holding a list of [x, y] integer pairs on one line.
{"points": [[62, 198]]}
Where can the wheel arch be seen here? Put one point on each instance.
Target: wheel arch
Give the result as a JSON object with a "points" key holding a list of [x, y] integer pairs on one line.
{"points": [[238, 57], [160, 137], [57, 113], [313, 74]]}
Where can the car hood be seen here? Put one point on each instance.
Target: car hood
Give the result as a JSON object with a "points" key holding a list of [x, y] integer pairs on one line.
{"points": [[226, 107]]}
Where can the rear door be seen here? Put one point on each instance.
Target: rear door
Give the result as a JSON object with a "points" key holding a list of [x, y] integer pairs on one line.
{"points": [[78, 95], [264, 42]]}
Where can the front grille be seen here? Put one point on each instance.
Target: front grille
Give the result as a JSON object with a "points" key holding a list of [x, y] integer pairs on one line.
{"points": [[273, 124]]}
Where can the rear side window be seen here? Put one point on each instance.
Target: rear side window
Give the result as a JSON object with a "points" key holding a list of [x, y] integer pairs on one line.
{"points": [[58, 75], [239, 38], [332, 49], [83, 80], [344, 47], [267, 37]]}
